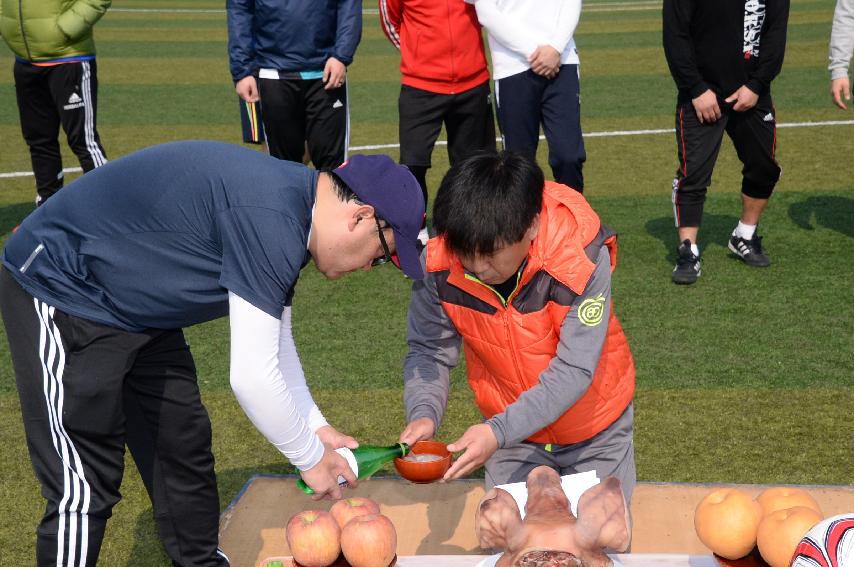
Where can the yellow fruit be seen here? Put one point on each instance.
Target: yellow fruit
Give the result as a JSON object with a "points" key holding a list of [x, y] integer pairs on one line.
{"points": [[726, 521], [784, 497], [779, 533]]}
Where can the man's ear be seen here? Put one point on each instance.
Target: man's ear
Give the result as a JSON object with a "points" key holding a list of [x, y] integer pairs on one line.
{"points": [[358, 212], [603, 517], [534, 229]]}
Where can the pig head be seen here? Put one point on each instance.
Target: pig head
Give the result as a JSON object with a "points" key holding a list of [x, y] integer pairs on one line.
{"points": [[550, 535]]}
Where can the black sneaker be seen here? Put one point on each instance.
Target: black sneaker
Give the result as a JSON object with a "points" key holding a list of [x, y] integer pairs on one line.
{"points": [[687, 268], [749, 250]]}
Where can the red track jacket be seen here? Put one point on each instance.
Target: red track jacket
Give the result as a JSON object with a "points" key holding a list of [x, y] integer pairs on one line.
{"points": [[441, 48]]}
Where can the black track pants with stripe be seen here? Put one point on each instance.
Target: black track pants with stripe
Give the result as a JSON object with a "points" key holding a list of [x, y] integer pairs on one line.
{"points": [[48, 97], [754, 135], [87, 391]]}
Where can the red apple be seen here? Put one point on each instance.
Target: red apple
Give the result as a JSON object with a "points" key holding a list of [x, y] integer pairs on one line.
{"points": [[345, 510], [314, 538], [369, 541]]}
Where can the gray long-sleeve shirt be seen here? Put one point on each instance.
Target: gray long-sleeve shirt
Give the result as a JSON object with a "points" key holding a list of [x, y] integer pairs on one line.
{"points": [[841, 39], [434, 349]]}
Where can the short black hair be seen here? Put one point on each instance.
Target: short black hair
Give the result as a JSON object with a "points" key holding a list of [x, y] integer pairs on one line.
{"points": [[487, 201], [344, 192]]}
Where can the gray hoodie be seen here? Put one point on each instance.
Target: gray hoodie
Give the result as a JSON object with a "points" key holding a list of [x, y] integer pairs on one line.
{"points": [[841, 39]]}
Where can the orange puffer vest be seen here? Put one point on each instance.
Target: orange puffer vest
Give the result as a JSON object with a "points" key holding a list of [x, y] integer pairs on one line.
{"points": [[508, 347]]}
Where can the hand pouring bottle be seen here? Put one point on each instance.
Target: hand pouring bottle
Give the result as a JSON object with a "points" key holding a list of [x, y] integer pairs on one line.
{"points": [[365, 460]]}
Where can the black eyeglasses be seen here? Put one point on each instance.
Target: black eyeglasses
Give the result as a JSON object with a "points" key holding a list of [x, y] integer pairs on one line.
{"points": [[387, 255]]}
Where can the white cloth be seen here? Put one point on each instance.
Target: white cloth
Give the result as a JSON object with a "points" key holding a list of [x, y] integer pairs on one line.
{"points": [[517, 27], [268, 381], [574, 485]]}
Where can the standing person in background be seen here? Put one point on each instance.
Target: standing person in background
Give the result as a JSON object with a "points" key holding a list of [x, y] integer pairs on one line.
{"points": [[56, 82], [293, 57], [444, 80], [841, 48], [723, 57], [535, 67]]}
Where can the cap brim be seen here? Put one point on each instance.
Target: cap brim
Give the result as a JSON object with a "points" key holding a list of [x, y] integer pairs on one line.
{"points": [[407, 252]]}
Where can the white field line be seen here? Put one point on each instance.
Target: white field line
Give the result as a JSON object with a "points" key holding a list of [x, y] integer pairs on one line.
{"points": [[607, 134], [589, 7]]}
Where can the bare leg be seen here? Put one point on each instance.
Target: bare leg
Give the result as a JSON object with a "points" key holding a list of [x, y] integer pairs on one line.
{"points": [[751, 210], [688, 233]]}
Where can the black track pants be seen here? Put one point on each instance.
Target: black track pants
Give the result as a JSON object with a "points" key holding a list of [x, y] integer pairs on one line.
{"points": [[299, 112], [48, 97], [467, 117], [86, 391], [754, 135]]}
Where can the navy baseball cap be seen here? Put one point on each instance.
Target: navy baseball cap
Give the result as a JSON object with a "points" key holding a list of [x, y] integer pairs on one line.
{"points": [[396, 196]]}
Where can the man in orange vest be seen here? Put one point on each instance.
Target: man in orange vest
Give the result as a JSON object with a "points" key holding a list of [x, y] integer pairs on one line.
{"points": [[520, 273]]}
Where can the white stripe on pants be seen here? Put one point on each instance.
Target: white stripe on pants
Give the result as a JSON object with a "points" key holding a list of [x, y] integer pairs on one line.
{"points": [[89, 121], [76, 491]]}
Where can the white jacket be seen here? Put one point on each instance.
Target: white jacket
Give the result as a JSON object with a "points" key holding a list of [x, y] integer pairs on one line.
{"points": [[517, 27]]}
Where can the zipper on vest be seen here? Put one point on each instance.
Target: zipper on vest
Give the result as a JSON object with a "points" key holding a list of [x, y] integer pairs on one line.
{"points": [[490, 288], [505, 317], [24, 33], [493, 290], [516, 365]]}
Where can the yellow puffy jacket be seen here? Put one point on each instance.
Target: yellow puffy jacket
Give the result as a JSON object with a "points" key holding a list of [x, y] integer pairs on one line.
{"points": [[50, 30]]}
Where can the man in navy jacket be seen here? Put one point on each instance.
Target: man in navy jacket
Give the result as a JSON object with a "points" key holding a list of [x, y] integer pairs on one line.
{"points": [[293, 57]]}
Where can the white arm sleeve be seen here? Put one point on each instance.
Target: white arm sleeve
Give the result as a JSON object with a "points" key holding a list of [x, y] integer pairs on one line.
{"points": [[570, 13], [291, 369], [504, 30], [263, 392]]}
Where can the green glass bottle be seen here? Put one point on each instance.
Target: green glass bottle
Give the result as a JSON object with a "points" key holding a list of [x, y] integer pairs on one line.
{"points": [[364, 460]]}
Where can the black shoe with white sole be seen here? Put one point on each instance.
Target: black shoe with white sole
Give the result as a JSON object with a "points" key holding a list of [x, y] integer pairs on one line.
{"points": [[687, 268], [749, 250]]}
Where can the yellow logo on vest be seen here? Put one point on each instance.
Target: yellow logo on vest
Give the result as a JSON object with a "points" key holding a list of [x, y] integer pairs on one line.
{"points": [[591, 311]]}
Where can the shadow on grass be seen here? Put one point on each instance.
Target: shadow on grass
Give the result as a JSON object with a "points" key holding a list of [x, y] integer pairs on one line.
{"points": [[716, 230], [835, 213], [148, 549], [12, 215]]}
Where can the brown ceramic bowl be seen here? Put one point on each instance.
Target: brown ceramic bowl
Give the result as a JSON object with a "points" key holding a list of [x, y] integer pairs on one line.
{"points": [[430, 471]]}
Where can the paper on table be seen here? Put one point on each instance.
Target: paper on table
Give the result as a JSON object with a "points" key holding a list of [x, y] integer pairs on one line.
{"points": [[573, 485]]}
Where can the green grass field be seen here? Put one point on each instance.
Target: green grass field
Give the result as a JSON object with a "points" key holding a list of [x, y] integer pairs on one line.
{"points": [[746, 376]]}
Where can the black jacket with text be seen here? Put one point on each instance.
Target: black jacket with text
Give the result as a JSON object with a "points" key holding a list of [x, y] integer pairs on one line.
{"points": [[724, 44]]}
